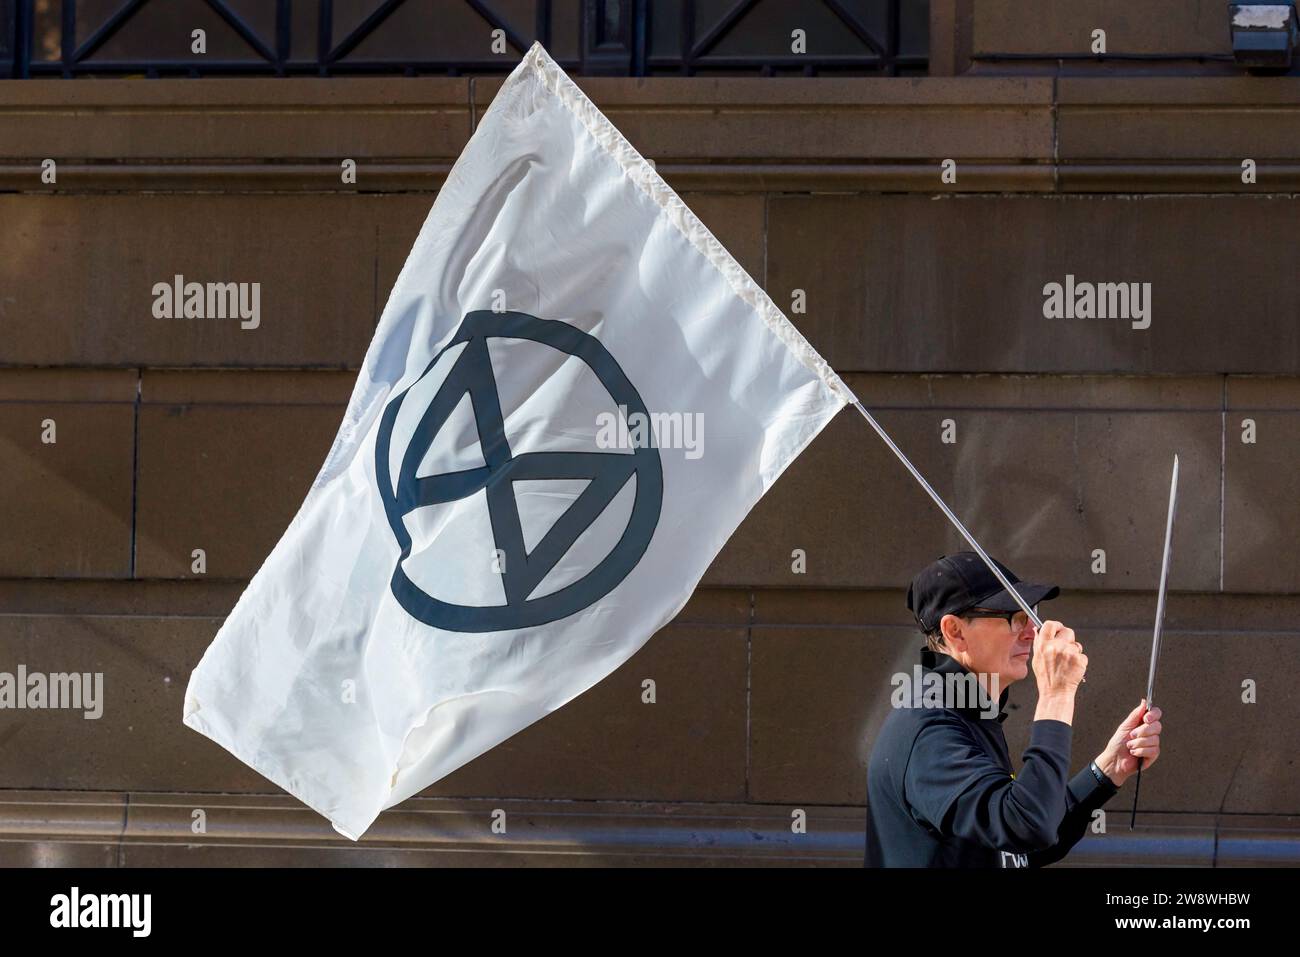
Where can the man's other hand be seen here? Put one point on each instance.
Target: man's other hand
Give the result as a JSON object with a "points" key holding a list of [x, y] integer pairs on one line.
{"points": [[1136, 739]]}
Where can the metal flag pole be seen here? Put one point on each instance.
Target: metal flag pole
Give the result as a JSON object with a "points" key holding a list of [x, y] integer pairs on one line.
{"points": [[1160, 621], [997, 572]]}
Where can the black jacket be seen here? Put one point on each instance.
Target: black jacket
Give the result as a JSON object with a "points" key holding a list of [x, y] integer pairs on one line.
{"points": [[941, 791]]}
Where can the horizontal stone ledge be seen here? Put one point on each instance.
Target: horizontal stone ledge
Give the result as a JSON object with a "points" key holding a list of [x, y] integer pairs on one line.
{"points": [[49, 827], [221, 119], [69, 385], [920, 176], [597, 827], [254, 95], [952, 391], [1226, 93], [143, 829], [225, 177], [399, 123], [244, 387], [1177, 177], [1192, 613], [248, 94], [353, 94], [764, 93], [385, 177], [212, 599], [1034, 392], [1262, 392], [131, 598], [665, 118], [1179, 119], [811, 606]]}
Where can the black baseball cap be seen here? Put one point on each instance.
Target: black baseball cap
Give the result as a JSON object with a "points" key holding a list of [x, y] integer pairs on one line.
{"points": [[959, 582]]}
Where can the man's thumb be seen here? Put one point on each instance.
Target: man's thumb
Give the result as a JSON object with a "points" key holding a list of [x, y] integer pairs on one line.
{"points": [[1135, 716]]}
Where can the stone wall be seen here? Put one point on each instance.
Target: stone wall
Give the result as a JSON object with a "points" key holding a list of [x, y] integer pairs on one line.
{"points": [[176, 435]]}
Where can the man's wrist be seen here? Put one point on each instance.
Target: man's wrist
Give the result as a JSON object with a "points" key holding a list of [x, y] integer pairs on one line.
{"points": [[1109, 766], [1056, 706]]}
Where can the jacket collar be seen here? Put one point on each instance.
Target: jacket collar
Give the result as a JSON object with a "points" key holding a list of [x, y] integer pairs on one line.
{"points": [[946, 664]]}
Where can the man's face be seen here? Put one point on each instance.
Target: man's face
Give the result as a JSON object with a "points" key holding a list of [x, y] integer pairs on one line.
{"points": [[988, 644]]}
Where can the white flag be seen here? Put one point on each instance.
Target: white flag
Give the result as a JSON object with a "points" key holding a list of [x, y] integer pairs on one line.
{"points": [[572, 399]]}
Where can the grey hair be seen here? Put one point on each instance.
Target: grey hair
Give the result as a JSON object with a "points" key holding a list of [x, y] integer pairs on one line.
{"points": [[934, 639]]}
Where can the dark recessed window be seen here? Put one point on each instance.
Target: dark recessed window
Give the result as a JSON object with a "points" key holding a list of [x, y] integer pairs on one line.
{"points": [[455, 37]]}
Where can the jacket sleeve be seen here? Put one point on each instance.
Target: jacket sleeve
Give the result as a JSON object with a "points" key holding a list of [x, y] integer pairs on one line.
{"points": [[1083, 795], [954, 786]]}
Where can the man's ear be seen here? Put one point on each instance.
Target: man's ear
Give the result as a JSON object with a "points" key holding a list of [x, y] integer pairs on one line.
{"points": [[950, 625]]}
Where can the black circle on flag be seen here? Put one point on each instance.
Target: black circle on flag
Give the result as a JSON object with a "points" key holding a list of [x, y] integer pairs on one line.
{"points": [[607, 473]]}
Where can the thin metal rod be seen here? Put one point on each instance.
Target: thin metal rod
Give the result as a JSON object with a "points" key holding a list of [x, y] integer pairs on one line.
{"points": [[1160, 623], [997, 572], [1164, 582]]}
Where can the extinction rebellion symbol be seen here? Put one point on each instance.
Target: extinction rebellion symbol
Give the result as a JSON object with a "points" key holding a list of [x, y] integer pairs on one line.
{"points": [[522, 570]]}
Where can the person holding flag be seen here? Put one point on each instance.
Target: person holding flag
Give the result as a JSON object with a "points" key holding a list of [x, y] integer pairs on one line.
{"points": [[941, 790]]}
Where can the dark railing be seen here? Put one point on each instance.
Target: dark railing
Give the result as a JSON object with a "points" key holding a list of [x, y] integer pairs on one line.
{"points": [[71, 38]]}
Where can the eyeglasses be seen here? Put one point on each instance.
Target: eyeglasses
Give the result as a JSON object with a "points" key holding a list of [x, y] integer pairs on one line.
{"points": [[1018, 621]]}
